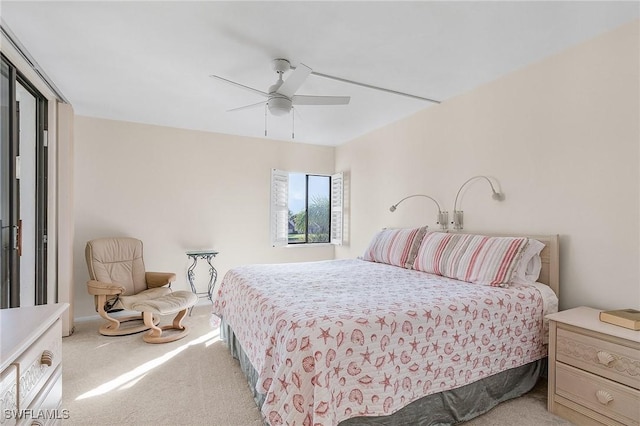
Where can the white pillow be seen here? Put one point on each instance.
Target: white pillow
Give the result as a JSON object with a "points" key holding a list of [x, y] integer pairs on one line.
{"points": [[529, 266]]}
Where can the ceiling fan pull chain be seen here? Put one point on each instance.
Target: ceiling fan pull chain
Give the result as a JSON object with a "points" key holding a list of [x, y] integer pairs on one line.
{"points": [[265, 119], [293, 123]]}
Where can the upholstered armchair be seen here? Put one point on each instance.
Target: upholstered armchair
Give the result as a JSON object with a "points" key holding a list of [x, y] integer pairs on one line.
{"points": [[118, 281]]}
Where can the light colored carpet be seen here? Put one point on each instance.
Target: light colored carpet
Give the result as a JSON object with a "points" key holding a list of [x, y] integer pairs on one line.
{"points": [[193, 381]]}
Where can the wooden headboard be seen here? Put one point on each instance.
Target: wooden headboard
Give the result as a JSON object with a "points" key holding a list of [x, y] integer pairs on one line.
{"points": [[550, 256]]}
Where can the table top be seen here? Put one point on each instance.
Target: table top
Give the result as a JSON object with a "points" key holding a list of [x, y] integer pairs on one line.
{"points": [[202, 252], [585, 317]]}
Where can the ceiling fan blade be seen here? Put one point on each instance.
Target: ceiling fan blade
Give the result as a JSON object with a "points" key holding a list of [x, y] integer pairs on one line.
{"points": [[242, 86], [294, 81], [247, 106], [320, 100], [369, 86]]}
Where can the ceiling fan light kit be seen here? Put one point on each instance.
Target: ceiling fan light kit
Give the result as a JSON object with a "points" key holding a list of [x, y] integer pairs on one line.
{"points": [[282, 95], [279, 105]]}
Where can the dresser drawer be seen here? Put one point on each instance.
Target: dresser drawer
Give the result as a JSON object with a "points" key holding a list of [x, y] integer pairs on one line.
{"points": [[9, 396], [45, 408], [37, 364], [599, 356], [603, 396]]}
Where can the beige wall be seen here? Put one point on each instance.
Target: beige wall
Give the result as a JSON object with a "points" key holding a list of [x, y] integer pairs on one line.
{"points": [[561, 136], [179, 189], [63, 215]]}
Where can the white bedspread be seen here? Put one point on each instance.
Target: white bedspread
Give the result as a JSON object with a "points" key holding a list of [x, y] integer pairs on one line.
{"points": [[337, 339]]}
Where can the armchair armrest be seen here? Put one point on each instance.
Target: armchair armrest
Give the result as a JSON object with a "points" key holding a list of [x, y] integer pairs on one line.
{"points": [[97, 288], [159, 279]]}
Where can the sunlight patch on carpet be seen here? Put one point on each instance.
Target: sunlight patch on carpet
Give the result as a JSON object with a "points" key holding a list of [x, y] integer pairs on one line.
{"points": [[130, 378]]}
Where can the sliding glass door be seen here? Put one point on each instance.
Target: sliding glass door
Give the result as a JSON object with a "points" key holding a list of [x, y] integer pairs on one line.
{"points": [[23, 191]]}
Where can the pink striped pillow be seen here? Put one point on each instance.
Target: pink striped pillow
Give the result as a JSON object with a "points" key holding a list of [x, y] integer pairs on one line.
{"points": [[438, 253], [472, 258], [397, 247]]}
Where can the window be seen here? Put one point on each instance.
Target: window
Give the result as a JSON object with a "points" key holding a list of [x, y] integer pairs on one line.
{"points": [[305, 208]]}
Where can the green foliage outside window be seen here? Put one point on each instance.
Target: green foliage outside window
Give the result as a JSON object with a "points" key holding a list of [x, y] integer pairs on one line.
{"points": [[319, 225]]}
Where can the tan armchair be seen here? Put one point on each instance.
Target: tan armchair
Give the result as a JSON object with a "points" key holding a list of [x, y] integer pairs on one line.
{"points": [[119, 281]]}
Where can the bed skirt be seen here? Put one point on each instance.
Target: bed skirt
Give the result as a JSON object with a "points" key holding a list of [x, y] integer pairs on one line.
{"points": [[444, 408]]}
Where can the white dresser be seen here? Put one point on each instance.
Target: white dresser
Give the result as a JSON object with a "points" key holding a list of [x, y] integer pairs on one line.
{"points": [[31, 365], [594, 369]]}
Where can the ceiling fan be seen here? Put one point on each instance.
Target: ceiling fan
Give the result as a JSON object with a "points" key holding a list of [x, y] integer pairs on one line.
{"points": [[282, 95]]}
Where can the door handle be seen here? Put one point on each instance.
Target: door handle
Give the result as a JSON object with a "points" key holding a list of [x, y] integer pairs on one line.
{"points": [[19, 238], [16, 240]]}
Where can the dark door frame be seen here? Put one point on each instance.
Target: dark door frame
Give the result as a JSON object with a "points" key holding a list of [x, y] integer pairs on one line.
{"points": [[11, 232]]}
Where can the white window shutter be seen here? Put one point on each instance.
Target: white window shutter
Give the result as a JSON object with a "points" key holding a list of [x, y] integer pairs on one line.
{"points": [[337, 194], [279, 208]]}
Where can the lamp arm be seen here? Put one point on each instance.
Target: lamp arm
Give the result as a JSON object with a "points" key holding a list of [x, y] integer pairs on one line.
{"points": [[418, 195], [455, 203], [443, 217]]}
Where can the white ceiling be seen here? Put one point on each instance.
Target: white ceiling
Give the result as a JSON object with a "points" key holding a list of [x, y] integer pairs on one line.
{"points": [[150, 62]]}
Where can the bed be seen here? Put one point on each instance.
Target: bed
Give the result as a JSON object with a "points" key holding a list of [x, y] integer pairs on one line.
{"points": [[379, 340]]}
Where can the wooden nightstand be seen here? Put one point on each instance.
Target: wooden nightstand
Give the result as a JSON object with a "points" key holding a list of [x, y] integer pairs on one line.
{"points": [[594, 369]]}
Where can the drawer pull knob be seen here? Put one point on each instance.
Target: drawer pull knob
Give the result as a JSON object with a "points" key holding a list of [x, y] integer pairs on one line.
{"points": [[604, 397], [605, 358], [46, 358]]}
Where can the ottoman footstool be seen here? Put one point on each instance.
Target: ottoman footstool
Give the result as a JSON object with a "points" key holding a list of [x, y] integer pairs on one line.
{"points": [[177, 302]]}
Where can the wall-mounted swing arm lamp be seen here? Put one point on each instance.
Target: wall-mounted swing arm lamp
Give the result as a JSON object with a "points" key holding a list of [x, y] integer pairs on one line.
{"points": [[458, 215], [443, 217]]}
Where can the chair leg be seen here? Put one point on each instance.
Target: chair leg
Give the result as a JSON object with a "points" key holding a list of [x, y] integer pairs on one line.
{"points": [[114, 327], [154, 330], [112, 324], [155, 333], [177, 321]]}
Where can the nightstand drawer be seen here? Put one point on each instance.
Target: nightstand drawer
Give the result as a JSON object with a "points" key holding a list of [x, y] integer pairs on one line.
{"points": [[603, 396], [601, 357]]}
